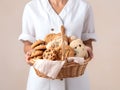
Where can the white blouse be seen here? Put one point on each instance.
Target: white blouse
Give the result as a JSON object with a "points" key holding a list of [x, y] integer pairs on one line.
{"points": [[38, 20]]}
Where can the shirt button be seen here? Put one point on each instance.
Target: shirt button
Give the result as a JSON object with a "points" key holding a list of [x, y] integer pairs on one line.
{"points": [[52, 30]]}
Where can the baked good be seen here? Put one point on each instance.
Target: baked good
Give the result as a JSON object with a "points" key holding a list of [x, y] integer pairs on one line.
{"points": [[40, 47], [37, 42], [52, 36], [69, 52], [79, 48], [50, 54], [49, 37], [39, 57], [36, 53], [57, 42], [59, 36]]}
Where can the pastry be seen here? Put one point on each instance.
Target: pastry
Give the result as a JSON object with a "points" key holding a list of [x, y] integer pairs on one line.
{"points": [[40, 47], [36, 43], [68, 52], [50, 54], [39, 57], [59, 36], [36, 53], [50, 37], [55, 43]]}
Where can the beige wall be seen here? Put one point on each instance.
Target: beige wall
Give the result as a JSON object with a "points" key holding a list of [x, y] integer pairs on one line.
{"points": [[104, 70]]}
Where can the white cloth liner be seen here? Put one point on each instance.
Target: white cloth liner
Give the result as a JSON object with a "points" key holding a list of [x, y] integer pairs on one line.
{"points": [[52, 68]]}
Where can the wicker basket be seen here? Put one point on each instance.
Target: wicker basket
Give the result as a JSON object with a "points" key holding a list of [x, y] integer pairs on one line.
{"points": [[69, 69]]}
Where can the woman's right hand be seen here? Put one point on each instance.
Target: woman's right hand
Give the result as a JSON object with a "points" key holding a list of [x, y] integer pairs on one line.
{"points": [[28, 52], [28, 58]]}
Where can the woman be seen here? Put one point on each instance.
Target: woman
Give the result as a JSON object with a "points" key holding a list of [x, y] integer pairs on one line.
{"points": [[42, 17]]}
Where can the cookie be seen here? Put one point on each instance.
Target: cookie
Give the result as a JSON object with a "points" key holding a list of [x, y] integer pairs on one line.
{"points": [[36, 53], [69, 52], [39, 57], [38, 42], [49, 37], [53, 36], [55, 43], [40, 47], [50, 54], [58, 36]]}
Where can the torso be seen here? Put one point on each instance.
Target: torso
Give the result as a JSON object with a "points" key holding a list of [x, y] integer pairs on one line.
{"points": [[44, 18]]}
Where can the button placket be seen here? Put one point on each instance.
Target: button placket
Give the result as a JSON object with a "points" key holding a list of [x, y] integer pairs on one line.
{"points": [[57, 19], [56, 23]]}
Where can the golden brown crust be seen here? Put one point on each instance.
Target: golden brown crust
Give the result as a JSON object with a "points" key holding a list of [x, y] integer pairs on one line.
{"points": [[50, 54], [36, 43], [69, 52], [50, 37], [36, 53], [40, 47], [39, 57], [59, 36], [53, 36]]}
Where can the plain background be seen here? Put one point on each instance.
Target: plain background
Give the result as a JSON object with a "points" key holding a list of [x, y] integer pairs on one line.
{"points": [[103, 70]]}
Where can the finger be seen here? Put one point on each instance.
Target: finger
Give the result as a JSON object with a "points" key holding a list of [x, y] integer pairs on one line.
{"points": [[90, 54], [27, 58], [29, 53]]}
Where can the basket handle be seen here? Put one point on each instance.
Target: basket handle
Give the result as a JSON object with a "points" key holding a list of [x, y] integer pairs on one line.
{"points": [[62, 42]]}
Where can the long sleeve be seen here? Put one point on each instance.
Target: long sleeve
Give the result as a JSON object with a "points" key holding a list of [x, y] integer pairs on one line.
{"points": [[88, 28], [28, 32]]}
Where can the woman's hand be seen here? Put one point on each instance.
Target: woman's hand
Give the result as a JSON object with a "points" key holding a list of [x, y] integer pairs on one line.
{"points": [[28, 58], [90, 52], [89, 48], [28, 51]]}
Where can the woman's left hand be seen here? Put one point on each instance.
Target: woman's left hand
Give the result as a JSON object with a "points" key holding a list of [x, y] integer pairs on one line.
{"points": [[90, 52], [89, 48]]}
